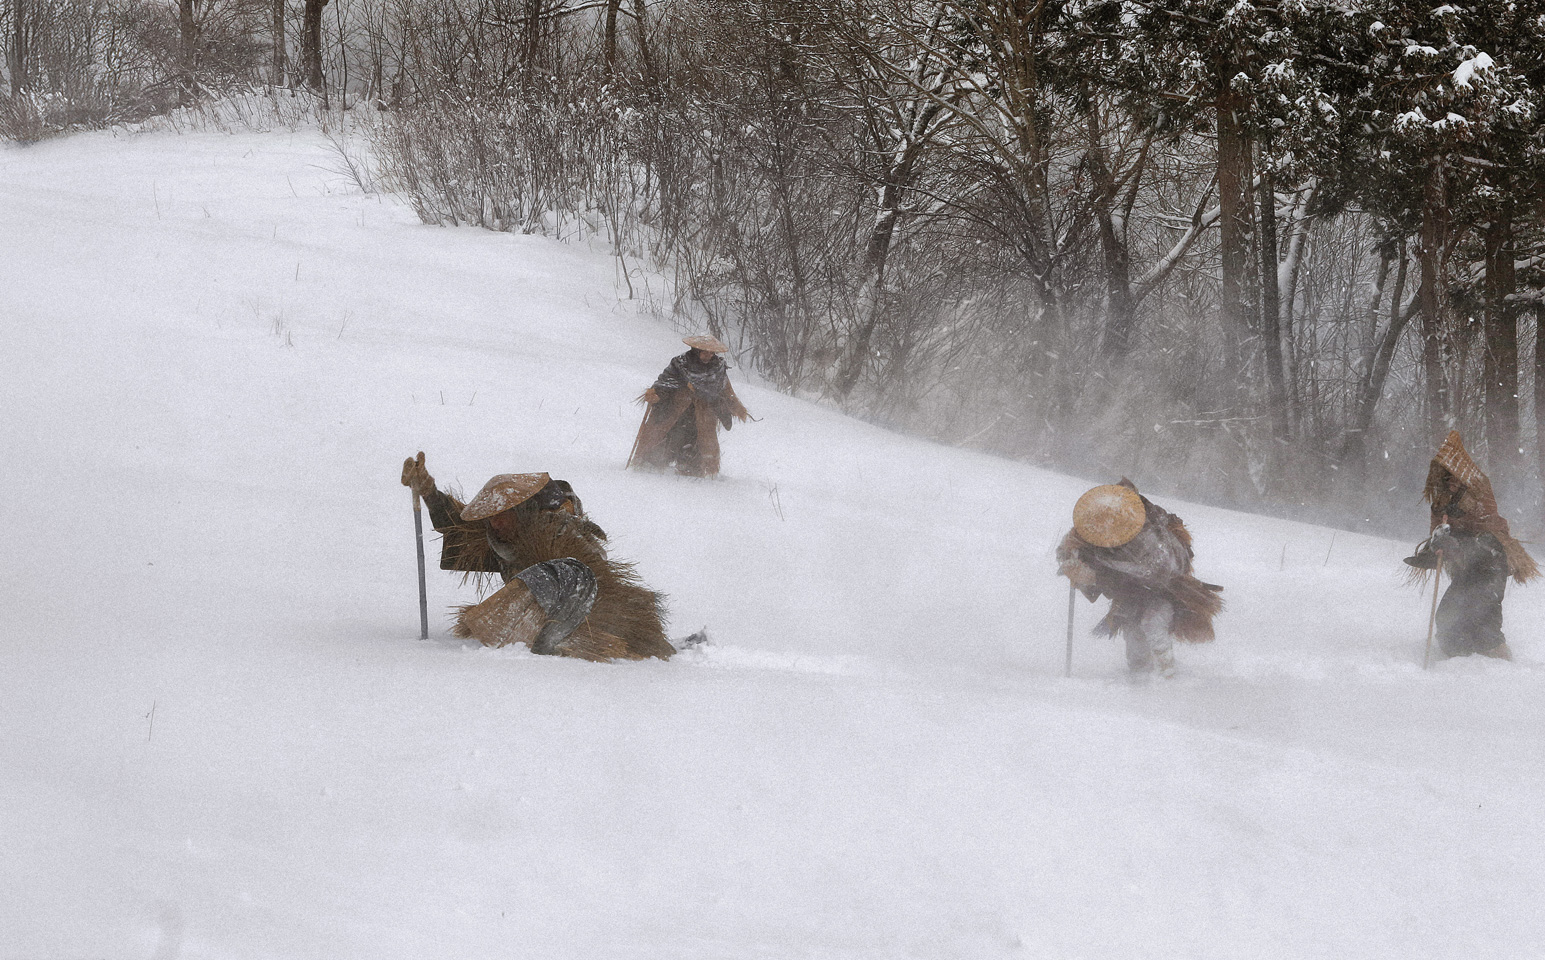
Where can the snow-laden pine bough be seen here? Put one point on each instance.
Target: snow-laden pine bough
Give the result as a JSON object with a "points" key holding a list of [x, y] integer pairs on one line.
{"points": [[560, 594], [1471, 543], [685, 407], [1125, 547]]}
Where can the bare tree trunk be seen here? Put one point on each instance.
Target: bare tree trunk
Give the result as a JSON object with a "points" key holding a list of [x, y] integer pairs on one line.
{"points": [[278, 74], [876, 256], [1294, 253], [872, 296], [1371, 387], [311, 46], [609, 43], [1271, 305], [343, 62], [187, 27], [1429, 253], [1369, 339], [375, 34], [19, 79], [1539, 387], [1120, 306], [532, 39], [1234, 229], [644, 58], [1501, 359]]}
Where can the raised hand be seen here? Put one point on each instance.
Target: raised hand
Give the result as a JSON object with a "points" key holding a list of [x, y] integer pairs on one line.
{"points": [[415, 476]]}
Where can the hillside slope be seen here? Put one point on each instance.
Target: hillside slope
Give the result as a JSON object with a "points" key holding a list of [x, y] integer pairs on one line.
{"points": [[224, 739]]}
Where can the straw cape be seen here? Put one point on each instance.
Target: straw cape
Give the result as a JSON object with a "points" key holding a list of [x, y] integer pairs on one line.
{"points": [[1456, 488], [685, 407], [1133, 571], [626, 621]]}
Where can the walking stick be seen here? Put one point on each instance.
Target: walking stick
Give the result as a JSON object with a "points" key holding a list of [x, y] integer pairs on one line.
{"points": [[1067, 668], [423, 590], [1432, 620]]}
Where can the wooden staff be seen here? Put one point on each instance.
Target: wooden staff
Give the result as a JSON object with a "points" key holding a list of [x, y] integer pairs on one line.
{"points": [[1432, 620], [423, 589], [1067, 667]]}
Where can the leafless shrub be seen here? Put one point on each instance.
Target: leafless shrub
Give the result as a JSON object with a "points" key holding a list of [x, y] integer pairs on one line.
{"points": [[93, 63]]}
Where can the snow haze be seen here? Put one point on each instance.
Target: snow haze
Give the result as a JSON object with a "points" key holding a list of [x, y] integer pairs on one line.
{"points": [[224, 739]]}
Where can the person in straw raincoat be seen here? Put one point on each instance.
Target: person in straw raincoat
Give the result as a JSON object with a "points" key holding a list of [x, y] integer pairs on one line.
{"points": [[1127, 548], [1478, 554], [687, 404], [561, 593]]}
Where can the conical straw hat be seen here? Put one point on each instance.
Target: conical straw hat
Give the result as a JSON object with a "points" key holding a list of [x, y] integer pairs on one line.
{"points": [[503, 492], [705, 342], [1109, 515]]}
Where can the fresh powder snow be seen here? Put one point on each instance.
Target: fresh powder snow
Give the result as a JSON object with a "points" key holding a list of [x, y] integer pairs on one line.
{"points": [[224, 739]]}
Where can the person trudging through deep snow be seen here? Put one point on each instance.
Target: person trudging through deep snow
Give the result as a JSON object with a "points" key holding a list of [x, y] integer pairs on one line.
{"points": [[686, 406], [562, 595], [1478, 554], [1139, 555]]}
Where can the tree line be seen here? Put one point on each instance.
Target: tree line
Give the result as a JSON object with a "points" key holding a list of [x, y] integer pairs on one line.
{"points": [[1264, 251]]}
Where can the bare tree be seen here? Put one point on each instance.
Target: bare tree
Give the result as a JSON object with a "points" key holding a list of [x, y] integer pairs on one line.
{"points": [[277, 77], [187, 32], [18, 51], [311, 45], [1501, 343], [1431, 255]]}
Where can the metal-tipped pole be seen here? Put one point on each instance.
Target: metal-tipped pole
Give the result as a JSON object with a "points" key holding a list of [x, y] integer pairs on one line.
{"points": [[1432, 620], [1067, 667], [423, 589]]}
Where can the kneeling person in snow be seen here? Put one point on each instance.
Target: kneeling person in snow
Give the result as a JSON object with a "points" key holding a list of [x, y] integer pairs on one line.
{"points": [[1139, 555], [562, 595], [1478, 553]]}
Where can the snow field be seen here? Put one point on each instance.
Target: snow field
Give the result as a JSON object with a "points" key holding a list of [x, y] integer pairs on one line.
{"points": [[223, 739]]}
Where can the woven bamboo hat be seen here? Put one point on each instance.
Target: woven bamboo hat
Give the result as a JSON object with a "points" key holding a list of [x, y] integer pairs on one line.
{"points": [[1109, 515], [705, 342], [1453, 457], [503, 492]]}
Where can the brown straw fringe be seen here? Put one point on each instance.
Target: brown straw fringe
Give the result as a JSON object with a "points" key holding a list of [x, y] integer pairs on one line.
{"points": [[1477, 500]]}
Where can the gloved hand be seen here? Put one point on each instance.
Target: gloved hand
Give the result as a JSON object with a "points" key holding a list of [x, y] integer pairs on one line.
{"points": [[1440, 535], [1079, 573], [415, 476], [1427, 552]]}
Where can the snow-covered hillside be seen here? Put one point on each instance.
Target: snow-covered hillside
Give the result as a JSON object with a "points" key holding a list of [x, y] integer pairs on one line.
{"points": [[223, 739]]}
